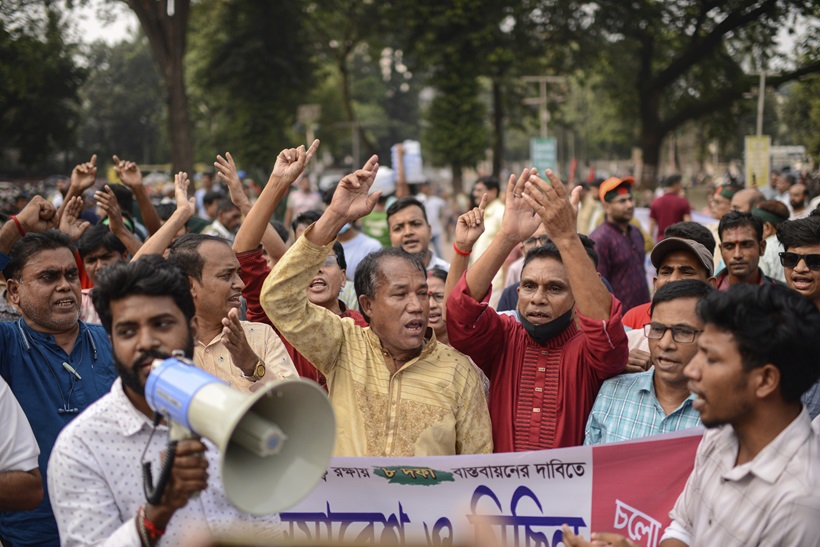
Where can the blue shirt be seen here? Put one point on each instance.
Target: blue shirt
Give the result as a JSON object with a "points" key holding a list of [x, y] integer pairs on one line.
{"points": [[32, 364], [627, 408]]}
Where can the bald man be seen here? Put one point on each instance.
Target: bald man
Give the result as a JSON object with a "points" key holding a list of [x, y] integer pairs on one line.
{"points": [[745, 200]]}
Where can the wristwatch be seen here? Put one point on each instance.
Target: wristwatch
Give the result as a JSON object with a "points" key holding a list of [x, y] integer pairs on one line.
{"points": [[258, 371]]}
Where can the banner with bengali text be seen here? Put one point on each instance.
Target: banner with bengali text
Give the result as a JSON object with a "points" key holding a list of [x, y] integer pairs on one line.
{"points": [[514, 499]]}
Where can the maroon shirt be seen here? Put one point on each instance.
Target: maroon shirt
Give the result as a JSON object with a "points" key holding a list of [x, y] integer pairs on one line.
{"points": [[254, 271], [667, 210], [540, 396], [621, 261]]}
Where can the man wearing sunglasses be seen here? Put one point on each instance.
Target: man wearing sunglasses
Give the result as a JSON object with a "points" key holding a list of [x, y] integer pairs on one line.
{"points": [[801, 262], [632, 406]]}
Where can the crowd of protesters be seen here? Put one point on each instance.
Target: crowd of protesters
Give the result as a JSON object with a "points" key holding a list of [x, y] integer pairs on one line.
{"points": [[543, 330]]}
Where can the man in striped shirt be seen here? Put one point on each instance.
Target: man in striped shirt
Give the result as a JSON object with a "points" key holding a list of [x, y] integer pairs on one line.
{"points": [[632, 406]]}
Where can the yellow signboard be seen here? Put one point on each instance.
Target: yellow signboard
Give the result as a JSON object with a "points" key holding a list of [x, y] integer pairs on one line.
{"points": [[758, 160]]}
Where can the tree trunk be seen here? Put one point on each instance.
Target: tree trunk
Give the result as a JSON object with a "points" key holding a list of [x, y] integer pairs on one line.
{"points": [[651, 137], [498, 127], [347, 100], [167, 36], [458, 180]]}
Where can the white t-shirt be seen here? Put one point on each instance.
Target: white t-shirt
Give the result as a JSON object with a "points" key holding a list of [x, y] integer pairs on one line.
{"points": [[356, 249], [18, 447]]}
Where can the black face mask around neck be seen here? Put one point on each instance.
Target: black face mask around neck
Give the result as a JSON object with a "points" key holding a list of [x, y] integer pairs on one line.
{"points": [[544, 333]]}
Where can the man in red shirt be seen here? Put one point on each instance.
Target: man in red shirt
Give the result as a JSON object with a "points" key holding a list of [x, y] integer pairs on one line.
{"points": [[544, 370], [669, 208]]}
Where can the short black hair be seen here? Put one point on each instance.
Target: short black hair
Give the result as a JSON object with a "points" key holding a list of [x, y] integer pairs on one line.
{"points": [[185, 255], [212, 196], [687, 288], [369, 275], [339, 251], [225, 204], [404, 203], [305, 217], [799, 233], [150, 275], [549, 250], [281, 229], [671, 180], [492, 183], [770, 324], [736, 219], [438, 273], [99, 236], [165, 210], [34, 242]]}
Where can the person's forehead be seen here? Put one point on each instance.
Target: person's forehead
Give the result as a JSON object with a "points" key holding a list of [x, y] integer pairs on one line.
{"points": [[480, 186], [739, 233], [397, 271], [51, 258], [544, 269], [409, 213], [142, 307], [434, 282], [99, 251], [216, 255], [680, 311], [680, 257]]}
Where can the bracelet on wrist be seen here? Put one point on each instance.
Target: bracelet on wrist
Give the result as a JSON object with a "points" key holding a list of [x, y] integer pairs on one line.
{"points": [[19, 226], [459, 251]]}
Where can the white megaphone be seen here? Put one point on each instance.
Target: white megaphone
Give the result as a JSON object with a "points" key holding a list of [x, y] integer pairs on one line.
{"points": [[275, 444]]}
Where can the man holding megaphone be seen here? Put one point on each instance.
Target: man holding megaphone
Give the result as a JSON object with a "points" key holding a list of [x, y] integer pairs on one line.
{"points": [[96, 480]]}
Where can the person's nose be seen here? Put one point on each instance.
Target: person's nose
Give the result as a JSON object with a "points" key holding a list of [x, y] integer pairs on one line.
{"points": [[667, 341], [237, 282]]}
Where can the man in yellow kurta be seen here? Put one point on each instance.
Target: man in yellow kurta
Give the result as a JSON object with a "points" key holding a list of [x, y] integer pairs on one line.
{"points": [[395, 390]]}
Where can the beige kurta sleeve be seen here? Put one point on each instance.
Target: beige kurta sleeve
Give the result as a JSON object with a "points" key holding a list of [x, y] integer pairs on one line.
{"points": [[315, 332]]}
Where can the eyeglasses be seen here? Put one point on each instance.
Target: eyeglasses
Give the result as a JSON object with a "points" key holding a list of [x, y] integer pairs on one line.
{"points": [[330, 261], [681, 335], [536, 241], [437, 296], [791, 260]]}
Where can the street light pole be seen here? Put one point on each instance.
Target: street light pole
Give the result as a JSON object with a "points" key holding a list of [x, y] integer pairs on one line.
{"points": [[760, 97], [541, 100]]}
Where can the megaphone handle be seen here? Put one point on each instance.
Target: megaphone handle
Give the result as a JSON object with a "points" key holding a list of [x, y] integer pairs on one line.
{"points": [[178, 432], [153, 494]]}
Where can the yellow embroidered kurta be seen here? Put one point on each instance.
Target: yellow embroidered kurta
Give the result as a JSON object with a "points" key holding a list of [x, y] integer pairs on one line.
{"points": [[433, 405], [214, 358]]}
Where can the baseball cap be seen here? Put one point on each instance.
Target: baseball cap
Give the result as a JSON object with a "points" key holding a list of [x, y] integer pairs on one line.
{"points": [[616, 186], [670, 244]]}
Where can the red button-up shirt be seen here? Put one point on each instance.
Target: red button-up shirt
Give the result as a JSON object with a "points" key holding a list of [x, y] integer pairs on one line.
{"points": [[540, 395]]}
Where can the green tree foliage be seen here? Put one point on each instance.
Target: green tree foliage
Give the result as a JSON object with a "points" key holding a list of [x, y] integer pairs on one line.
{"points": [[801, 115], [40, 81], [123, 110], [673, 62], [253, 66]]}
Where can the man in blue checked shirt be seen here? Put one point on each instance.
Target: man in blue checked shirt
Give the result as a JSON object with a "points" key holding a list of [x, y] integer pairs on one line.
{"points": [[632, 406]]}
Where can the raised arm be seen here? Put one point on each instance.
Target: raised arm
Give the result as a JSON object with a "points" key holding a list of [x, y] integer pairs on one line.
{"points": [[549, 200], [519, 223], [157, 243], [131, 176], [290, 163], [70, 223], [83, 177], [402, 189], [106, 199], [37, 216], [469, 228]]}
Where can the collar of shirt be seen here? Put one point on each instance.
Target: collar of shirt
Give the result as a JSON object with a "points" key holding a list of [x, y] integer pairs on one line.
{"points": [[30, 335], [769, 464], [130, 420], [645, 381]]}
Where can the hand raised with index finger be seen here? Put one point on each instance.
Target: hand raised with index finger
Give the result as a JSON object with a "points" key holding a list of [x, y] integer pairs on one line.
{"points": [[351, 200]]}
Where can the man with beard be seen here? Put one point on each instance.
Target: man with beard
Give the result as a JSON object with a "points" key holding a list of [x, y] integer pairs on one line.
{"points": [[395, 389], [241, 353], [632, 406], [801, 264], [755, 478], [742, 245], [620, 245], [410, 230], [55, 364], [95, 470], [544, 371], [799, 201]]}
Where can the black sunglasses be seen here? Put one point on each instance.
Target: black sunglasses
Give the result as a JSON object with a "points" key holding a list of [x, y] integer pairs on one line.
{"points": [[791, 260]]}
